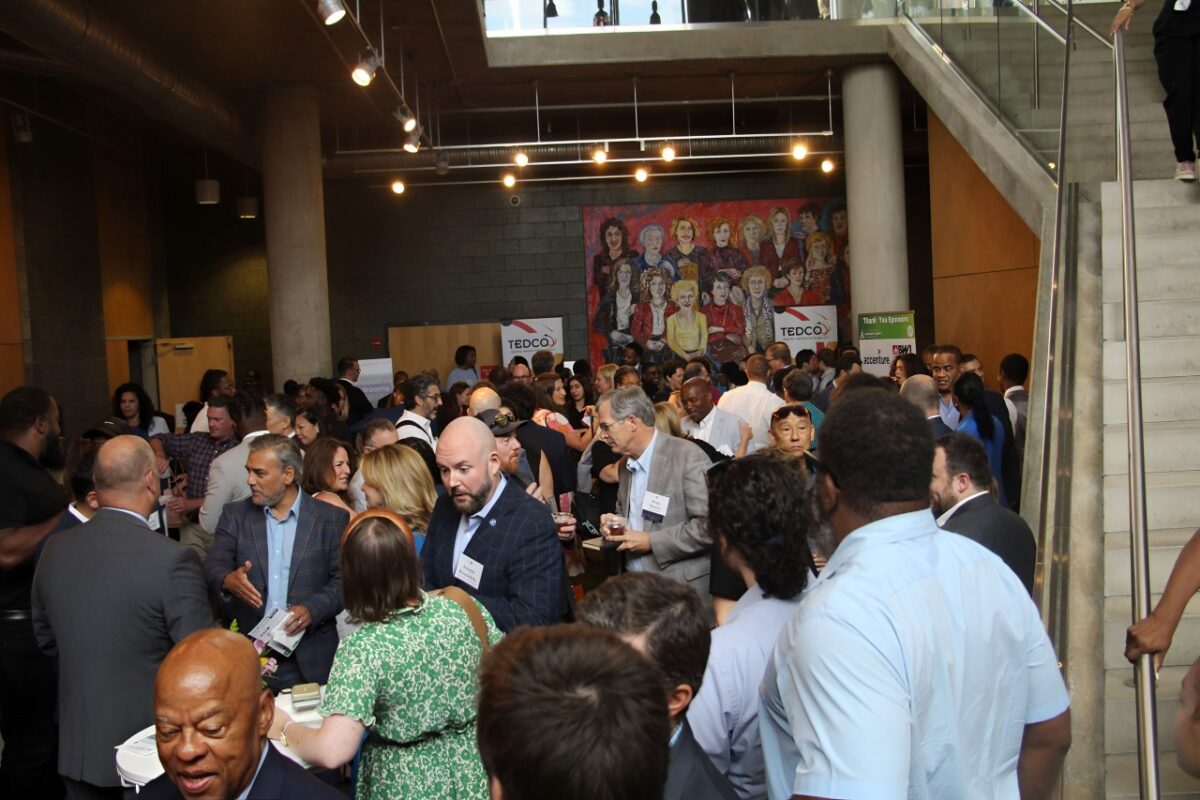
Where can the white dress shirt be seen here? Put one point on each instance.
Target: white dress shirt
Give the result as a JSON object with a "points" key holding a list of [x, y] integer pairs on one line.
{"points": [[719, 428], [753, 403], [639, 481]]}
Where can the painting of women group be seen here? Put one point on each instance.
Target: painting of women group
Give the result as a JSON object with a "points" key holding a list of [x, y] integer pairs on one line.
{"points": [[681, 280]]}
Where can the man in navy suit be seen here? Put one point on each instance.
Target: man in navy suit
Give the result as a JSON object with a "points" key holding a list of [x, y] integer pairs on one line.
{"points": [[488, 537], [210, 680], [279, 549], [922, 392]]}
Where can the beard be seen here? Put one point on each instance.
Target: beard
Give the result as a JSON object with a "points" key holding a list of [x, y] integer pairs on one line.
{"points": [[469, 503], [54, 457]]}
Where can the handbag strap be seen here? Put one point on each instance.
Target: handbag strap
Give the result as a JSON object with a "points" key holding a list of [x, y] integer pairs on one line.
{"points": [[467, 604]]}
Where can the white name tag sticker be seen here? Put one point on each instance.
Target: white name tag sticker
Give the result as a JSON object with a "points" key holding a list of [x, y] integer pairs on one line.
{"points": [[654, 506], [469, 571]]}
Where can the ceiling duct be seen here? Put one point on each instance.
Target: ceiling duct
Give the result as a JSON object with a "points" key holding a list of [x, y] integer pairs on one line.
{"points": [[100, 51]]}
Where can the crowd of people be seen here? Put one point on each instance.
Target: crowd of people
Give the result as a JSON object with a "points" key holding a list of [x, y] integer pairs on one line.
{"points": [[655, 580]]}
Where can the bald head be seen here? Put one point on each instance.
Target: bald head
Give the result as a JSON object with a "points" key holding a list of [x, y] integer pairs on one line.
{"points": [[469, 463], [482, 399], [211, 680], [922, 392], [125, 476]]}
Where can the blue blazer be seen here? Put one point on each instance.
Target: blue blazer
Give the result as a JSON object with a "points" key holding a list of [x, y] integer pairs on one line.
{"points": [[315, 581], [522, 581]]}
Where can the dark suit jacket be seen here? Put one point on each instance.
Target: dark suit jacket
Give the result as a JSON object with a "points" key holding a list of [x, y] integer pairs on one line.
{"points": [[821, 398], [1010, 456], [939, 427], [280, 777], [553, 447], [1003, 532], [360, 406], [315, 581], [691, 774], [521, 557], [110, 598]]}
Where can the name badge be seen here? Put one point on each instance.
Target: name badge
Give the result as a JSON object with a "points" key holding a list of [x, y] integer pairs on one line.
{"points": [[654, 506], [469, 571]]}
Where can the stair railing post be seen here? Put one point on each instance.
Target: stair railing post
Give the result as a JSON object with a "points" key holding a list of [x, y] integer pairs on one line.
{"points": [[1138, 545]]}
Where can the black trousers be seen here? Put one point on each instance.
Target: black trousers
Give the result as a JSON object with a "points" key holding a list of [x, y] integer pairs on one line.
{"points": [[28, 695], [1178, 59]]}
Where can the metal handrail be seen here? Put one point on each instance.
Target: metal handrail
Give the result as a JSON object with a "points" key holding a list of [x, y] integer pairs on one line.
{"points": [[1138, 544]]}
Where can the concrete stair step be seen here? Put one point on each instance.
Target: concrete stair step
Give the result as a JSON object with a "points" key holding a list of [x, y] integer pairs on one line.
{"points": [[1184, 646], [1160, 193], [1177, 249], [1154, 283], [1121, 781], [1165, 546], [1156, 318], [1120, 735], [1169, 447], [1172, 501]]}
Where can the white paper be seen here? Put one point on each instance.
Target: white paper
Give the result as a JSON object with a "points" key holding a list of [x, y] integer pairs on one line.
{"points": [[469, 571], [655, 506]]}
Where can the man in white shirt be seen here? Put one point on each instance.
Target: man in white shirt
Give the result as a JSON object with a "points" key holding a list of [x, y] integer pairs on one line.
{"points": [[422, 399], [704, 421], [916, 665], [753, 403]]}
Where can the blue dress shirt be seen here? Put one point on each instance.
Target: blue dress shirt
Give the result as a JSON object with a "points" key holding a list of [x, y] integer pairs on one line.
{"points": [[468, 525], [281, 538], [639, 481]]}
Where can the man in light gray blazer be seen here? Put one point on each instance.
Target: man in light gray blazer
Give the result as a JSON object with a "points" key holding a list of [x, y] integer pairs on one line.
{"points": [[227, 475], [110, 598], [662, 494]]}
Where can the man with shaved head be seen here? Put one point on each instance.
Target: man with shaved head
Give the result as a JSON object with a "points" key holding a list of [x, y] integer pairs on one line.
{"points": [[922, 392], [212, 715], [489, 538], [110, 597]]}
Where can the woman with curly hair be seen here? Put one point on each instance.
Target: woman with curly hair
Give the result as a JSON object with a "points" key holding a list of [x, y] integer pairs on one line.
{"points": [[904, 366], [687, 328], [131, 403], [761, 528], [757, 312], [614, 245], [327, 471], [649, 326]]}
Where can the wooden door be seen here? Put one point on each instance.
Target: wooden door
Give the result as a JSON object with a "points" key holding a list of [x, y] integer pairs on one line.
{"points": [[182, 363], [424, 347]]}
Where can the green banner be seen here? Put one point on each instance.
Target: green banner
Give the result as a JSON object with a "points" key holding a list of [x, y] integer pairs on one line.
{"points": [[886, 325]]}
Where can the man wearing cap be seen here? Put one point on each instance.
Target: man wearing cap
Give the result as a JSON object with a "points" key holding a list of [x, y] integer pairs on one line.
{"points": [[503, 426]]}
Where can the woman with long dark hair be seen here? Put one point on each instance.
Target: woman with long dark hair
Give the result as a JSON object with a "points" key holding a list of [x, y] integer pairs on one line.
{"points": [[904, 366], [976, 420], [579, 398], [131, 403], [454, 405], [327, 470], [551, 410]]}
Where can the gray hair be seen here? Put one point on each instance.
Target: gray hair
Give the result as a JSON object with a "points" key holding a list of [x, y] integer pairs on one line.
{"points": [[629, 402], [651, 227], [284, 448], [921, 393]]}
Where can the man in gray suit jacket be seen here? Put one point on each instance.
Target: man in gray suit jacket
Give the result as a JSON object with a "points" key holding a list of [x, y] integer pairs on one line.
{"points": [[110, 598], [227, 475], [279, 548], [662, 492]]}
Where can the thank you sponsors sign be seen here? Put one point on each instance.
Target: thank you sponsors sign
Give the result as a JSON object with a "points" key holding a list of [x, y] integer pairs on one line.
{"points": [[524, 337], [882, 336], [806, 327]]}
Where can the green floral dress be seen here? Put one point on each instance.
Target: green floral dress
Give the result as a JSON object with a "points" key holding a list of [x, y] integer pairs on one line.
{"points": [[413, 682]]}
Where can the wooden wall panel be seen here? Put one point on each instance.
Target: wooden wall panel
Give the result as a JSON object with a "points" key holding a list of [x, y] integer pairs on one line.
{"points": [[124, 247], [432, 346], [182, 363], [116, 352], [985, 259], [12, 353]]}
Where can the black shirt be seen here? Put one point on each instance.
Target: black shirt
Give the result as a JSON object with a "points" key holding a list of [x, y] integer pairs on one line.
{"points": [[1171, 23], [28, 496]]}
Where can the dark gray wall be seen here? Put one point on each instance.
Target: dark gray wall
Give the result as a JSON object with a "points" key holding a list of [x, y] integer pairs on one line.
{"points": [[464, 254], [54, 207]]}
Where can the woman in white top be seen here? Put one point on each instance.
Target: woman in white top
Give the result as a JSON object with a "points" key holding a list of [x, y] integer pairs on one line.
{"points": [[131, 403]]}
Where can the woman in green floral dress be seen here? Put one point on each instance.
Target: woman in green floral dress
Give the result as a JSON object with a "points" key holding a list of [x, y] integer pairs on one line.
{"points": [[407, 678]]}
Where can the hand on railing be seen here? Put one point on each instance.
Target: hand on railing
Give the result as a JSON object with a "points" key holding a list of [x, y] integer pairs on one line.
{"points": [[1152, 635], [1124, 17]]}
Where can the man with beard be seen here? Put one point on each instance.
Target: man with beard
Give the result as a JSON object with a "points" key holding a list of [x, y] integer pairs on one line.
{"points": [[109, 599], [278, 548], [488, 537], [31, 502]]}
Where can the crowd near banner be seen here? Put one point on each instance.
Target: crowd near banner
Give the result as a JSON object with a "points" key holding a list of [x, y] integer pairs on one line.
{"points": [[807, 327], [524, 337], [882, 336], [731, 264]]}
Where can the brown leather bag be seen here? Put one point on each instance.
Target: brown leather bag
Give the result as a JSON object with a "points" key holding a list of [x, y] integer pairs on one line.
{"points": [[467, 604]]}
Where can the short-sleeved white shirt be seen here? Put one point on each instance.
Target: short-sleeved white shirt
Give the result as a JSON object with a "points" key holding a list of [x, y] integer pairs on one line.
{"points": [[910, 671]]}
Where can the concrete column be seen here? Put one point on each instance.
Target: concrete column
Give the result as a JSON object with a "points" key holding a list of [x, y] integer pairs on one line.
{"points": [[875, 190], [294, 205]]}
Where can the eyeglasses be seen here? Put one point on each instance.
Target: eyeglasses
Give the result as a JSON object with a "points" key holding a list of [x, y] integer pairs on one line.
{"points": [[605, 426], [433, 396], [793, 410]]}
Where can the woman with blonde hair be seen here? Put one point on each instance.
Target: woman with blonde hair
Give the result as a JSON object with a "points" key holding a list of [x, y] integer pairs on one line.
{"points": [[395, 477], [687, 329], [666, 419]]}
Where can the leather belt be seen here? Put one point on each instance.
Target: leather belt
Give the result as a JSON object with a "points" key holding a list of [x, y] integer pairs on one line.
{"points": [[15, 615]]}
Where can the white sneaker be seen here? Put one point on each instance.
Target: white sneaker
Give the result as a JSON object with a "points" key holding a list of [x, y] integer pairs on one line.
{"points": [[1185, 171]]}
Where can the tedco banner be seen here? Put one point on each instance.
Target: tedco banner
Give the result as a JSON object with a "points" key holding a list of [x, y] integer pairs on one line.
{"points": [[806, 327], [882, 336], [524, 337]]}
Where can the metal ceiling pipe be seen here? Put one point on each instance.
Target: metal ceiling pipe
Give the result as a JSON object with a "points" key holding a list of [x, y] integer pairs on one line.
{"points": [[345, 163], [78, 33]]}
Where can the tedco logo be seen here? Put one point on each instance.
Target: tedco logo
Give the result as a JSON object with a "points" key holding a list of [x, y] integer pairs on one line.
{"points": [[813, 329], [530, 337]]}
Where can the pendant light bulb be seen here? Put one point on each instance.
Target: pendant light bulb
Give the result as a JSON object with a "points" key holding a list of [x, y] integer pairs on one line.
{"points": [[364, 72], [641, 174], [509, 180], [827, 166], [799, 151], [398, 186], [520, 159], [668, 152]]}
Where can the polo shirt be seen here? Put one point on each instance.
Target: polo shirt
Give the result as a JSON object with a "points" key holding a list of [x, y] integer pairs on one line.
{"points": [[911, 669], [28, 496]]}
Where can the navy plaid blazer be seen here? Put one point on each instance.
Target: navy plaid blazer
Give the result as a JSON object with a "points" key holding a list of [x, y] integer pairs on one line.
{"points": [[522, 581], [315, 581]]}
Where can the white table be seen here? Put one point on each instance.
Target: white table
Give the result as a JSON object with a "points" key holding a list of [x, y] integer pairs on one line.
{"points": [[137, 756]]}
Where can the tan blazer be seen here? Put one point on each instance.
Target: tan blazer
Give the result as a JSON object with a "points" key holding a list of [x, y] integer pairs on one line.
{"points": [[680, 544]]}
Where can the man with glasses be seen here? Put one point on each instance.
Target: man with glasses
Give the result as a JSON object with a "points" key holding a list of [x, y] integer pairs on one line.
{"points": [[422, 399], [662, 498]]}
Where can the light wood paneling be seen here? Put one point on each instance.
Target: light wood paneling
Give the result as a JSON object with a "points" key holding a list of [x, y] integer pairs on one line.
{"points": [[116, 352], [12, 354], [124, 247], [182, 363], [432, 346], [985, 259]]}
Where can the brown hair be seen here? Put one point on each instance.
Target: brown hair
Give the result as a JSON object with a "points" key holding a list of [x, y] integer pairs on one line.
{"points": [[318, 464], [380, 571]]}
